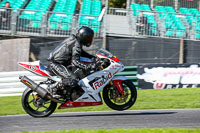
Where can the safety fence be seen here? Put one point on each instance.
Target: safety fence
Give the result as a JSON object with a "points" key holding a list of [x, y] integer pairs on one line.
{"points": [[165, 22], [42, 23], [162, 22], [10, 84], [119, 22], [174, 3]]}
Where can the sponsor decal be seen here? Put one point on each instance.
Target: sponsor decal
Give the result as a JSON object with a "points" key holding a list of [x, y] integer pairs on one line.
{"points": [[172, 86], [34, 68], [115, 67], [171, 76], [69, 104], [102, 81], [27, 83]]}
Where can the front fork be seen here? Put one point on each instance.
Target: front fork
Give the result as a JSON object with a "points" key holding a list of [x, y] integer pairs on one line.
{"points": [[118, 85]]}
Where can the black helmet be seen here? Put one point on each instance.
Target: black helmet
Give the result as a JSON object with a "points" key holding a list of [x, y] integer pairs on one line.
{"points": [[85, 35]]}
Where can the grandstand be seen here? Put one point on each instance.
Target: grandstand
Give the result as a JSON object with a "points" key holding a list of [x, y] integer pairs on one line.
{"points": [[172, 23], [52, 18], [45, 18], [35, 17], [62, 21], [90, 8], [15, 4], [137, 8]]}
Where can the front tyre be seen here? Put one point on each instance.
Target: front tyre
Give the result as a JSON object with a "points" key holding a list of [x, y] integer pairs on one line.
{"points": [[117, 101], [36, 106]]}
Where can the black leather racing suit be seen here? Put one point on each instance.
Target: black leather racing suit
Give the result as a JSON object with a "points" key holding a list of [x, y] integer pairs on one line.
{"points": [[68, 51]]}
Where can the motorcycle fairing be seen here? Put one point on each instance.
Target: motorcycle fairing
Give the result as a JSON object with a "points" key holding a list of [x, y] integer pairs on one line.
{"points": [[91, 96], [41, 70], [35, 67], [71, 104]]}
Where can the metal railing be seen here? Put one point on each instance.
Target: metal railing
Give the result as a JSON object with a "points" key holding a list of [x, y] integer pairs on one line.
{"points": [[91, 21], [28, 22], [173, 3], [59, 24], [119, 22], [153, 23], [10, 84], [40, 23]]}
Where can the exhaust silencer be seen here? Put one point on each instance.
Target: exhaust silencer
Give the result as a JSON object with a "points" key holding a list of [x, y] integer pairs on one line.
{"points": [[35, 87]]}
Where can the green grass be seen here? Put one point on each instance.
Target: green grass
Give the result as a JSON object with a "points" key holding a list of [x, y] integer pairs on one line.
{"points": [[125, 131], [147, 99]]}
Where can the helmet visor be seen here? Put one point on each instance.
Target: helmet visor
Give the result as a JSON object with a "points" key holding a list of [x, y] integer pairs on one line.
{"points": [[90, 40]]}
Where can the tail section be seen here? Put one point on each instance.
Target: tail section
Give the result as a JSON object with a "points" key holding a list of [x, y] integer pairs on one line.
{"points": [[34, 67]]}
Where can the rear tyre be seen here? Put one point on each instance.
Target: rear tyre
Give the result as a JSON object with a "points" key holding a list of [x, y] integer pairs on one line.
{"points": [[36, 106], [117, 101]]}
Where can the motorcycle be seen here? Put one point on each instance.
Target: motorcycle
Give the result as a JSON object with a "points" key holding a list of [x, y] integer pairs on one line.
{"points": [[118, 92]]}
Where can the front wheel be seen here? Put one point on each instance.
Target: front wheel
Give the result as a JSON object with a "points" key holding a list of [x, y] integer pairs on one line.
{"points": [[35, 106], [117, 101]]}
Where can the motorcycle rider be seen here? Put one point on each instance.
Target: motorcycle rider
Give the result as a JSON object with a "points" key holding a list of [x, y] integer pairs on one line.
{"points": [[69, 51]]}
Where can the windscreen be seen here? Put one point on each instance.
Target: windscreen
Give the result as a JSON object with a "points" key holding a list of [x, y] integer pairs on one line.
{"points": [[104, 52]]}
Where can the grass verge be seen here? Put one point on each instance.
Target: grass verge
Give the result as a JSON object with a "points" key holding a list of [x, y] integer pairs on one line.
{"points": [[147, 99], [125, 131]]}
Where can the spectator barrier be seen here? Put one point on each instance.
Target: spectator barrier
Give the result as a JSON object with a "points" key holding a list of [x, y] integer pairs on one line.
{"points": [[10, 84], [164, 22], [173, 3], [41, 23]]}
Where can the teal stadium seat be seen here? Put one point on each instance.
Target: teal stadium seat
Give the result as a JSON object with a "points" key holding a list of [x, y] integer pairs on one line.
{"points": [[15, 4], [61, 20], [90, 8], [193, 21], [174, 26], [36, 24], [35, 17], [53, 26], [150, 17]]}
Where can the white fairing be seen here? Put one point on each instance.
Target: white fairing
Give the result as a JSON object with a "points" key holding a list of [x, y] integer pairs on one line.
{"points": [[95, 82], [120, 78]]}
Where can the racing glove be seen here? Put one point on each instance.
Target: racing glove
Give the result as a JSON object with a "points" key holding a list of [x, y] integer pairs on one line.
{"points": [[91, 66]]}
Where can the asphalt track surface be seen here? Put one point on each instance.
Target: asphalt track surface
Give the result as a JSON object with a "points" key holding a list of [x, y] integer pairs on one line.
{"points": [[172, 118]]}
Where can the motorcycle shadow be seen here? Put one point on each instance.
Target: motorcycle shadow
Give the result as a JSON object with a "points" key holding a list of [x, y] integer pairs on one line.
{"points": [[112, 113]]}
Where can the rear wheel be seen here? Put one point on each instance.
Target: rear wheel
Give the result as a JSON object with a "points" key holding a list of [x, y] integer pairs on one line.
{"points": [[117, 101], [35, 106]]}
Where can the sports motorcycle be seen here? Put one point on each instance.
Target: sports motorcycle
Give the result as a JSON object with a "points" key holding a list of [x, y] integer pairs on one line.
{"points": [[40, 99]]}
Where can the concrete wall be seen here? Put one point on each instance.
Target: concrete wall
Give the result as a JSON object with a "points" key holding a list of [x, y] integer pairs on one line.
{"points": [[13, 51]]}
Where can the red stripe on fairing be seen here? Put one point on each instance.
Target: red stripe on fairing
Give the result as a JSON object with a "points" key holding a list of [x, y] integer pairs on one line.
{"points": [[118, 84], [71, 104], [38, 71], [114, 59]]}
